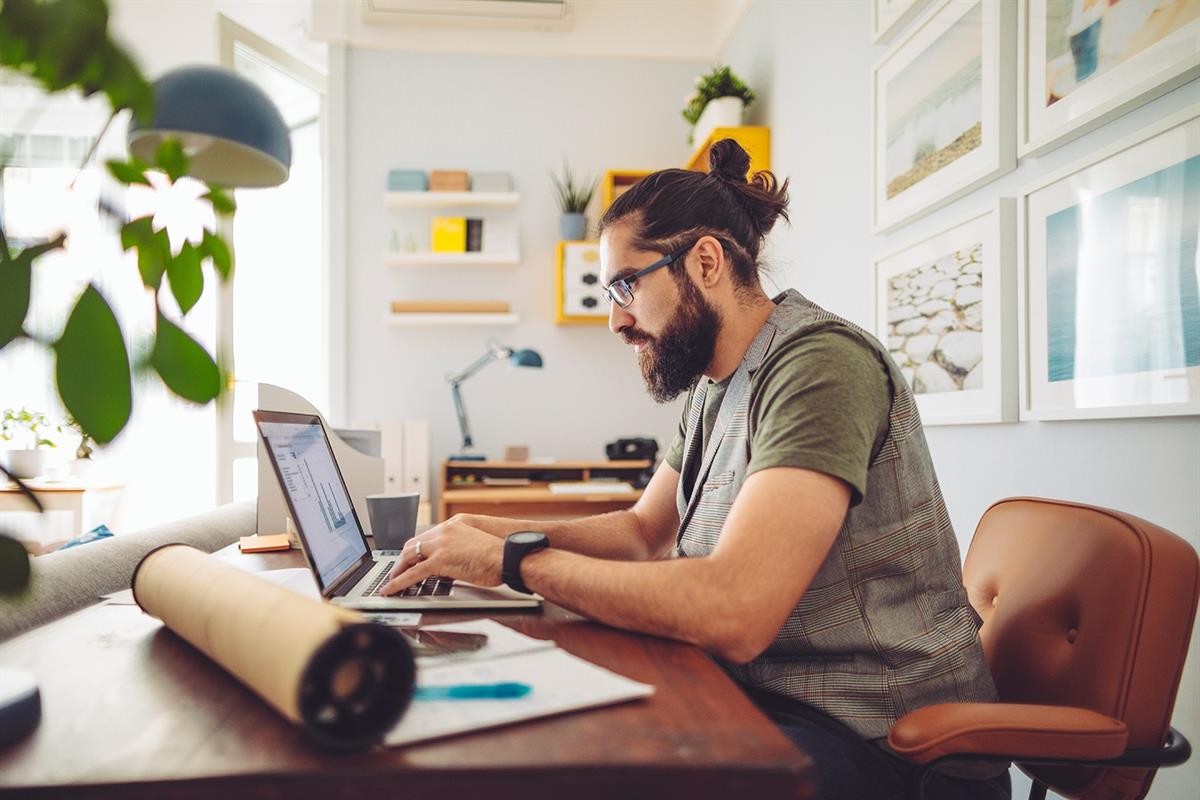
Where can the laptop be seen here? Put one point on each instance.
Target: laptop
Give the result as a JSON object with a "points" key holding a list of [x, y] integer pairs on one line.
{"points": [[347, 571]]}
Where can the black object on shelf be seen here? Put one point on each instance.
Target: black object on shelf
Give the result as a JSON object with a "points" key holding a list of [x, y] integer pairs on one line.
{"points": [[638, 448]]}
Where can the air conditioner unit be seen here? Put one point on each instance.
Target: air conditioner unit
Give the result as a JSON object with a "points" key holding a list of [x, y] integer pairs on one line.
{"points": [[399, 10]]}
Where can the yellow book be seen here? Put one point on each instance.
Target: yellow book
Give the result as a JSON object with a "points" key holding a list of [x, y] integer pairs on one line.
{"points": [[449, 234]]}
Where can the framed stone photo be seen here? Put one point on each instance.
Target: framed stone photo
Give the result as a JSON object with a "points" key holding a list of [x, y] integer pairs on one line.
{"points": [[944, 102], [1085, 62], [946, 309], [1111, 326]]}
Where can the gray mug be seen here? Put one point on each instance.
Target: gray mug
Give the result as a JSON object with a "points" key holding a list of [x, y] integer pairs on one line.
{"points": [[393, 519]]}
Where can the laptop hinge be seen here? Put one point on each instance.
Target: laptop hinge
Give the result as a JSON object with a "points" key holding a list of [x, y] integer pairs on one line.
{"points": [[352, 580]]}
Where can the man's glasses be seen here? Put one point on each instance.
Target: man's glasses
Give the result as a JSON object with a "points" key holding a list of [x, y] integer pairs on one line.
{"points": [[621, 291]]}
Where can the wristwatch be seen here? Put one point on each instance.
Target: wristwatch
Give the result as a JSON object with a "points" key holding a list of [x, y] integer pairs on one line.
{"points": [[516, 547]]}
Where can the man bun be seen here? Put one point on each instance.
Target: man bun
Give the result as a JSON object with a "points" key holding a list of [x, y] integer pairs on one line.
{"points": [[727, 159]]}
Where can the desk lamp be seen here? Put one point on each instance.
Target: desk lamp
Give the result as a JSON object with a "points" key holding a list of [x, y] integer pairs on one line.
{"points": [[495, 352]]}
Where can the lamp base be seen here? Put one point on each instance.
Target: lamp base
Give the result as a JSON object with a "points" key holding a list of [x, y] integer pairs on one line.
{"points": [[469, 457]]}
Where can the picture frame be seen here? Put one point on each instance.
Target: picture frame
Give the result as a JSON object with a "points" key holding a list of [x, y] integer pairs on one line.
{"points": [[1122, 56], [943, 110], [1110, 315], [578, 290], [946, 308], [889, 17]]}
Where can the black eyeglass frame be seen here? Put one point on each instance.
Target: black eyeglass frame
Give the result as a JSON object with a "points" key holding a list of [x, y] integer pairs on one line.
{"points": [[628, 282]]}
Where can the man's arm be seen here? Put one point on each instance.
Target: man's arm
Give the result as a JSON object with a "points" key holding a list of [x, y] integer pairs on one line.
{"points": [[731, 602], [645, 531]]}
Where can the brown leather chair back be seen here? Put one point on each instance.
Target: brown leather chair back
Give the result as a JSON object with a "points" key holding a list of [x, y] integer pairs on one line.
{"points": [[1088, 607]]}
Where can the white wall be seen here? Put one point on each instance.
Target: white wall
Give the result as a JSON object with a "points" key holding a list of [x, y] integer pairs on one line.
{"points": [[521, 115], [811, 63]]}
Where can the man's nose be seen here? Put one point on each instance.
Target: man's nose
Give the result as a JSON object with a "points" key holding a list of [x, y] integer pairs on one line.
{"points": [[618, 318]]}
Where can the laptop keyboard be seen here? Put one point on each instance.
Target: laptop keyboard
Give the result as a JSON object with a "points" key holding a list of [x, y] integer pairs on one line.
{"points": [[433, 586]]}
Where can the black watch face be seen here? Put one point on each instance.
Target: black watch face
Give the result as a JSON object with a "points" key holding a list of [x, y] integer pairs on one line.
{"points": [[526, 537]]}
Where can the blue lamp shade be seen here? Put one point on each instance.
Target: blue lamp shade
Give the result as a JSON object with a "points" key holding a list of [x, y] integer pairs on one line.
{"points": [[232, 132], [526, 358]]}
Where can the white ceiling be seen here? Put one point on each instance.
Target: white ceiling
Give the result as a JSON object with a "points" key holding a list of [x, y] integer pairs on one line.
{"points": [[669, 30]]}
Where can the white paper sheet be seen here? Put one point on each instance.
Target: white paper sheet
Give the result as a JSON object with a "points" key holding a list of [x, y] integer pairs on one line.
{"points": [[502, 641], [561, 683]]}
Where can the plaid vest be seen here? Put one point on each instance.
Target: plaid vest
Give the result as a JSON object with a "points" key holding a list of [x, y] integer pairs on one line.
{"points": [[885, 626]]}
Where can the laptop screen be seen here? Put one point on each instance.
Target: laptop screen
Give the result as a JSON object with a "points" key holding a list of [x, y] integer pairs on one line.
{"points": [[317, 494]]}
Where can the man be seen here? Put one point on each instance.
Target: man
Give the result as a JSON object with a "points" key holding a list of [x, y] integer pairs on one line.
{"points": [[816, 560]]}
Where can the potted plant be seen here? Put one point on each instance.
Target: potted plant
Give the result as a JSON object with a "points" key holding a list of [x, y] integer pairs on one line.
{"points": [[573, 199], [30, 431], [719, 101]]}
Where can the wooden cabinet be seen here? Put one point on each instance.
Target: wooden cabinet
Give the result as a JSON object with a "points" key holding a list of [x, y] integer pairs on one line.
{"points": [[524, 489]]}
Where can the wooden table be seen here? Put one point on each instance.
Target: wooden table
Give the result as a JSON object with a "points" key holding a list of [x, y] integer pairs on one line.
{"points": [[132, 711], [88, 503]]}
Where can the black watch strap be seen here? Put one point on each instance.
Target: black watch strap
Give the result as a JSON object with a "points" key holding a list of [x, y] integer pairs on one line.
{"points": [[516, 547]]}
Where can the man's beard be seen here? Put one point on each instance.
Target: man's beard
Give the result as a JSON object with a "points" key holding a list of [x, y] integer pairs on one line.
{"points": [[673, 361]]}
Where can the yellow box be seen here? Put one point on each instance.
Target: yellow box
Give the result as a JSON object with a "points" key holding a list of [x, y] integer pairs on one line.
{"points": [[449, 234]]}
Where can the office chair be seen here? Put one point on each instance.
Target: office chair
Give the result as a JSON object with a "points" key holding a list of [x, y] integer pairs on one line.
{"points": [[1087, 613]]}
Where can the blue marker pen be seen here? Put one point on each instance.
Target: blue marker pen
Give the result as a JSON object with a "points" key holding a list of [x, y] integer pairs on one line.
{"points": [[473, 691]]}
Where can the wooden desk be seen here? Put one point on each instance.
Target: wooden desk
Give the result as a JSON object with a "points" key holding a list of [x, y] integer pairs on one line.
{"points": [[462, 488], [132, 711]]}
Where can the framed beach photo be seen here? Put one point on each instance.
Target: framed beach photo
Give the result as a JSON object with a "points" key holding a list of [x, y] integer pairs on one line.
{"points": [[1111, 324], [943, 104], [888, 17], [1086, 62], [946, 307]]}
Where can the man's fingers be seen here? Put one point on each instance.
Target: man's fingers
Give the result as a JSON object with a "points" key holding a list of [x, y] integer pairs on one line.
{"points": [[409, 577]]}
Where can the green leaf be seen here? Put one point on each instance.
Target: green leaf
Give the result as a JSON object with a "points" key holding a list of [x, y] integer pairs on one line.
{"points": [[14, 567], [222, 201], [186, 277], [16, 278], [171, 159], [154, 255], [184, 365], [92, 368], [137, 232], [215, 246], [127, 172]]}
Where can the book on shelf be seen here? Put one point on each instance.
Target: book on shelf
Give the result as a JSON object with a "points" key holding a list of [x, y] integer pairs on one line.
{"points": [[449, 234], [474, 235], [449, 307]]}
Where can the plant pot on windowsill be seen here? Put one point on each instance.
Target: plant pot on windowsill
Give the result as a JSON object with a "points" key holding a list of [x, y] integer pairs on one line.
{"points": [[721, 112], [572, 227]]}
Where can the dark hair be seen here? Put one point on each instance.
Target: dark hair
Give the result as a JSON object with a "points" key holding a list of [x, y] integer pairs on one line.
{"points": [[673, 207]]}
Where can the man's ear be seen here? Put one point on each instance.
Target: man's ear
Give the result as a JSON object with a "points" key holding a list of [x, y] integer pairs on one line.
{"points": [[711, 257]]}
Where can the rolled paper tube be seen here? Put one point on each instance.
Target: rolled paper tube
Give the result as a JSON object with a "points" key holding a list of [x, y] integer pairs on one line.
{"points": [[346, 682]]}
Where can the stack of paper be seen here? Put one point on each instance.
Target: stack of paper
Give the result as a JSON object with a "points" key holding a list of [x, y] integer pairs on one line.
{"points": [[560, 683], [590, 487]]}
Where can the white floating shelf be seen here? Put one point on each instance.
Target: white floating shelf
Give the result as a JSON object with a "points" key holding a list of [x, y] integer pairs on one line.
{"points": [[404, 259], [447, 199], [460, 318]]}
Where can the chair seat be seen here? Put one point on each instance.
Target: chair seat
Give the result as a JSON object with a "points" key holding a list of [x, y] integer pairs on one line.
{"points": [[1014, 730]]}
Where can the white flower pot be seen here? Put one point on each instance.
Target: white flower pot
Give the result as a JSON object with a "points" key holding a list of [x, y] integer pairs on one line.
{"points": [[27, 463], [724, 112]]}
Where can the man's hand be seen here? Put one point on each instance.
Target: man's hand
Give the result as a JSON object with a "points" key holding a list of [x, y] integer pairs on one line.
{"points": [[453, 549]]}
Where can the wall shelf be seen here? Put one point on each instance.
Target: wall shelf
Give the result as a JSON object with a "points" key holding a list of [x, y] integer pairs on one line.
{"points": [[755, 140], [425, 259], [462, 318], [400, 200]]}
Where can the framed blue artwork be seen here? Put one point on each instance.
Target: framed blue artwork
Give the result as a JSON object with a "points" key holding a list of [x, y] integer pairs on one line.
{"points": [[1111, 320]]}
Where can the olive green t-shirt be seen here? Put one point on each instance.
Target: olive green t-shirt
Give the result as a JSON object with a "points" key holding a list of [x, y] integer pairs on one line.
{"points": [[819, 401]]}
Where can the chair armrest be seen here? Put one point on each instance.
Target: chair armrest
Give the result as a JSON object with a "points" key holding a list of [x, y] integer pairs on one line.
{"points": [[1006, 729]]}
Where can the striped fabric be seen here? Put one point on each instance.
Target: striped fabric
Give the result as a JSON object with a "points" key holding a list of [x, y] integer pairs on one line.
{"points": [[885, 626]]}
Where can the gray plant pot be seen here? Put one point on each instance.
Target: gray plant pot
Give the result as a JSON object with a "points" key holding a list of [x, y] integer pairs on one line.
{"points": [[572, 227]]}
